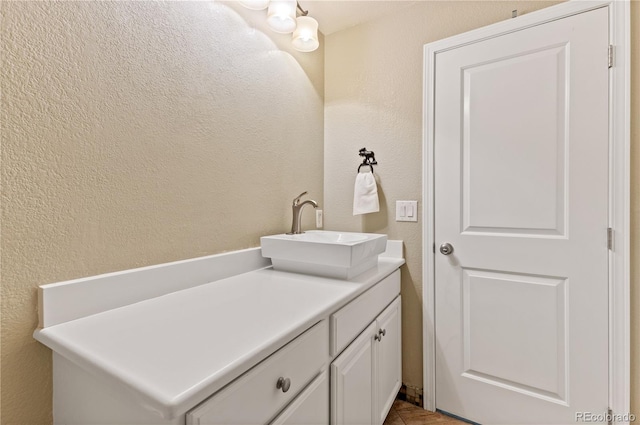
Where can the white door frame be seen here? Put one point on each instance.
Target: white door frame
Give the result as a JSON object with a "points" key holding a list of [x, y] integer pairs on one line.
{"points": [[619, 188]]}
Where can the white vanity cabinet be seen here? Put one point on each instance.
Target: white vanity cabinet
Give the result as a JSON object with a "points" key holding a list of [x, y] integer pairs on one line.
{"points": [[389, 361], [366, 376], [352, 381], [260, 347], [258, 395]]}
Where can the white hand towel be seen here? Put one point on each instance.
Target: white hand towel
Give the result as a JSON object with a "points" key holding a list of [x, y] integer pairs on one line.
{"points": [[365, 194]]}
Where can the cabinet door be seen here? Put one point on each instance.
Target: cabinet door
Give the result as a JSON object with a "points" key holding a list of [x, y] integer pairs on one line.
{"points": [[389, 370], [352, 381], [311, 407]]}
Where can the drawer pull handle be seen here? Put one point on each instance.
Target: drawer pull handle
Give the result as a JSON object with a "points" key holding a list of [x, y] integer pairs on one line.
{"points": [[382, 332], [284, 384], [377, 337]]}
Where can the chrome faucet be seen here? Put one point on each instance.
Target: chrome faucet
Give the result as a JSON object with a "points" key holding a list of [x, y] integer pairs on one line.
{"points": [[297, 213]]}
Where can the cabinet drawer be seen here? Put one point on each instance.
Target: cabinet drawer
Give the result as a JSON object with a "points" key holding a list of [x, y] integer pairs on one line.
{"points": [[311, 407], [353, 318], [253, 398]]}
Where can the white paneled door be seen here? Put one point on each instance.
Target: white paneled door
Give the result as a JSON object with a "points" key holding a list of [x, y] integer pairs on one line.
{"points": [[521, 197]]}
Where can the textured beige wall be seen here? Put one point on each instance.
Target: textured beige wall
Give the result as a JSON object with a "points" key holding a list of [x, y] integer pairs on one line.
{"points": [[373, 98], [135, 133]]}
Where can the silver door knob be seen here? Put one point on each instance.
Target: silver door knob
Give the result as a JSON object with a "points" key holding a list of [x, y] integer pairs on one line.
{"points": [[446, 248], [283, 384]]}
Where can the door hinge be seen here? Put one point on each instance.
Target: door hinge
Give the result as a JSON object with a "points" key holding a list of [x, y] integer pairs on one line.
{"points": [[610, 55], [609, 416], [610, 238]]}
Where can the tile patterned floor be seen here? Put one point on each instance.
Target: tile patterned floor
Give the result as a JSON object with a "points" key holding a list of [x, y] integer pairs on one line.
{"points": [[403, 413]]}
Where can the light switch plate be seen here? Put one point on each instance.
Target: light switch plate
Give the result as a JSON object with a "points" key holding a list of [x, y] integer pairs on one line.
{"points": [[406, 210], [319, 219]]}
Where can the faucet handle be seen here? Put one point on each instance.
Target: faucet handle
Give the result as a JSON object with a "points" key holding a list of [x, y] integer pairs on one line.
{"points": [[297, 200]]}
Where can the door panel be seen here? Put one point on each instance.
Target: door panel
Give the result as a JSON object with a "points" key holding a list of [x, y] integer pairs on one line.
{"points": [[521, 178], [352, 381], [525, 317], [515, 187], [389, 359]]}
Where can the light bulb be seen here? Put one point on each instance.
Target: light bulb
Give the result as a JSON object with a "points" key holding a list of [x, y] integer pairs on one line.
{"points": [[255, 4], [305, 37], [281, 16]]}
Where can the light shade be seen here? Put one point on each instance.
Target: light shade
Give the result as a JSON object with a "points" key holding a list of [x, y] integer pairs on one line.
{"points": [[305, 37], [281, 16], [255, 4]]}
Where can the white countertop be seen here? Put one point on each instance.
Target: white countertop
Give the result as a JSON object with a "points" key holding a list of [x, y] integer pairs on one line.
{"points": [[173, 351]]}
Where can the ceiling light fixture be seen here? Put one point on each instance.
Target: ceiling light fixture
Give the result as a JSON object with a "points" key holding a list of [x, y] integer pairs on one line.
{"points": [[305, 37], [282, 18]]}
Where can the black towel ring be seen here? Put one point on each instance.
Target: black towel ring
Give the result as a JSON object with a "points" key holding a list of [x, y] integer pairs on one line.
{"points": [[369, 159], [370, 166]]}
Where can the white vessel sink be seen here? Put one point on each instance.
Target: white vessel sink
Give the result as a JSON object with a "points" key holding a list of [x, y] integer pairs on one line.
{"points": [[341, 255]]}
